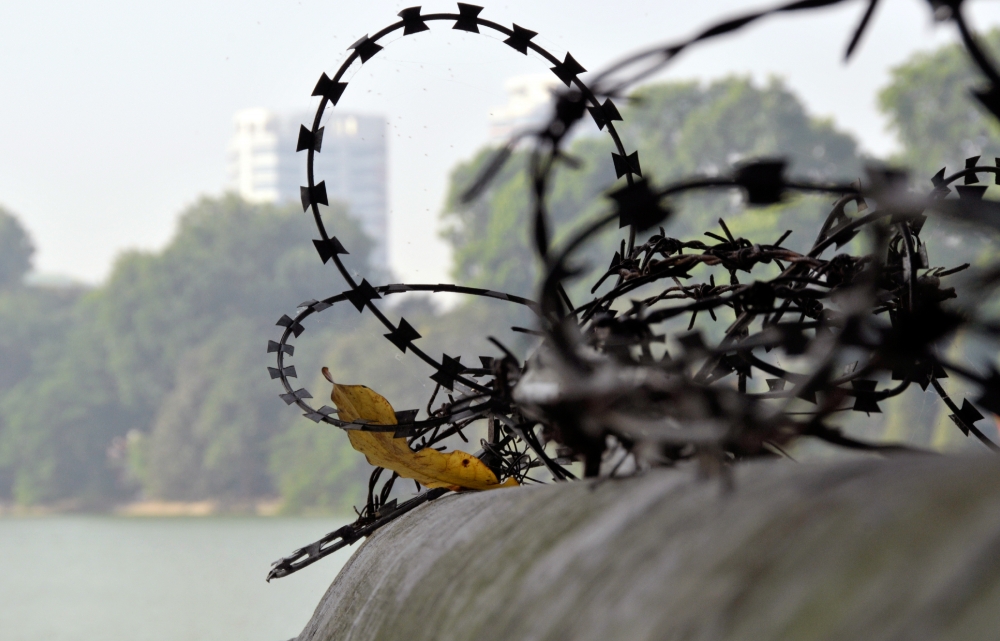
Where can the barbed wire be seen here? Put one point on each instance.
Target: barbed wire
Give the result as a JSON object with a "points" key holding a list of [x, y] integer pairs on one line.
{"points": [[595, 387]]}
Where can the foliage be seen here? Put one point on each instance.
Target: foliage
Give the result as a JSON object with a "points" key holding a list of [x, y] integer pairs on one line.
{"points": [[171, 348], [16, 250], [34, 319], [154, 383], [680, 128], [941, 126]]}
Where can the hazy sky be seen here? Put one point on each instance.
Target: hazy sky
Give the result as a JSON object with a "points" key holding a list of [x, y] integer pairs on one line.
{"points": [[116, 114]]}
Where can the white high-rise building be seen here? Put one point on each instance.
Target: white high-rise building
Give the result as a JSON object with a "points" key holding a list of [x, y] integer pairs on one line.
{"points": [[529, 105], [264, 166]]}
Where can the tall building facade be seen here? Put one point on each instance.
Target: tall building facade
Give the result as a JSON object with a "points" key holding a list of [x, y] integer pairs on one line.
{"points": [[265, 168], [529, 105]]}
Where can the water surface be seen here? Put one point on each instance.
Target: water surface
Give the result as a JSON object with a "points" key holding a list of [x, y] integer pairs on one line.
{"points": [[80, 578]]}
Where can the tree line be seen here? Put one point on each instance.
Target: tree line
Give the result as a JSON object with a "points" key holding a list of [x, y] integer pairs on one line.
{"points": [[153, 384]]}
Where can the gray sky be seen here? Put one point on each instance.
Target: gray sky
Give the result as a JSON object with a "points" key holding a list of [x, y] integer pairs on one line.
{"points": [[116, 114]]}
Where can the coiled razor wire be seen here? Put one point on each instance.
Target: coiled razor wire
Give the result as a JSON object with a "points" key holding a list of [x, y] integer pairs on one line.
{"points": [[595, 386]]}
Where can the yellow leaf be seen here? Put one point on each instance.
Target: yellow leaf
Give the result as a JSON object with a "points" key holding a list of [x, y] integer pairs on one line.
{"points": [[430, 468]]}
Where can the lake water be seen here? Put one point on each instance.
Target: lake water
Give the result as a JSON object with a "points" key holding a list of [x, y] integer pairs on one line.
{"points": [[79, 578]]}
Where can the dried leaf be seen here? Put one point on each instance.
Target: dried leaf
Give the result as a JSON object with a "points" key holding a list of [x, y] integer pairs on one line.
{"points": [[453, 470]]}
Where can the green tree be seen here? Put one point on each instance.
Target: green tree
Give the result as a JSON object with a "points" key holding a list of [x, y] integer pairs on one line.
{"points": [[210, 434], [16, 250], [155, 380], [33, 318], [59, 420], [678, 128], [171, 348], [933, 114]]}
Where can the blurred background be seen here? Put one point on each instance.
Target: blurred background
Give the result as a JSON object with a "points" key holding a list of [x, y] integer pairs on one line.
{"points": [[151, 236]]}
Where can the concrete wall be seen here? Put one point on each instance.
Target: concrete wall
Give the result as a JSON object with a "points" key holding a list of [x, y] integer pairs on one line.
{"points": [[906, 549]]}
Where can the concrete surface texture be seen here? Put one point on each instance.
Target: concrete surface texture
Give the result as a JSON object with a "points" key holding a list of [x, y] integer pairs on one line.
{"points": [[901, 549]]}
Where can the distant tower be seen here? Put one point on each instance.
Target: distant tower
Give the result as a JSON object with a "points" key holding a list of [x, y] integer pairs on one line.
{"points": [[529, 102], [265, 168]]}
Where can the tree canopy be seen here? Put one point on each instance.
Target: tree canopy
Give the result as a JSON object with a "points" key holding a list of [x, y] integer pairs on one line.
{"points": [[679, 128], [171, 348], [153, 384], [931, 110], [16, 250]]}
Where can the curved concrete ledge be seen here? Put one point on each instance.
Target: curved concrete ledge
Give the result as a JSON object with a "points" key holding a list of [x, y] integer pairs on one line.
{"points": [[905, 549]]}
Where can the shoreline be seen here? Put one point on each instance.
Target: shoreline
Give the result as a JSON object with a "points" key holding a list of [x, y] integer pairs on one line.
{"points": [[263, 508]]}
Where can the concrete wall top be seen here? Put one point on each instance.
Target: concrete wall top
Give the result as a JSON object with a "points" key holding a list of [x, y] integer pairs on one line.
{"points": [[905, 549]]}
